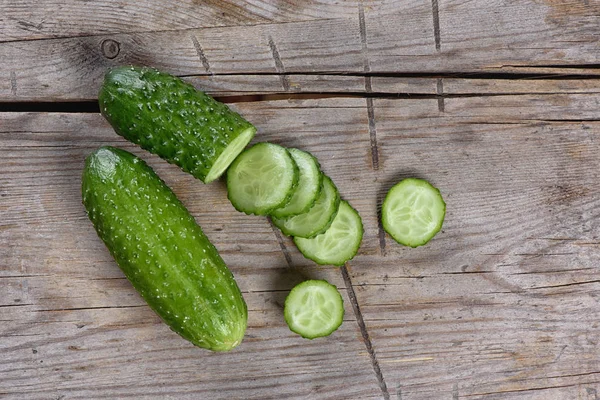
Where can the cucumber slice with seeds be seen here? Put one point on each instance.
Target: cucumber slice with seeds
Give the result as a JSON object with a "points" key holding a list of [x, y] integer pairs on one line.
{"points": [[340, 243], [317, 219], [309, 185], [314, 309], [413, 212], [261, 179]]}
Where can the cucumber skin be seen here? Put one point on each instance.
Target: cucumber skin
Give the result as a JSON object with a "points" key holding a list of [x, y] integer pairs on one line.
{"points": [[162, 250], [168, 117]]}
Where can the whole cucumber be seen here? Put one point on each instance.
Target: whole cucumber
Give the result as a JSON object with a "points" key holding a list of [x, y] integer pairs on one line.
{"points": [[162, 250], [173, 120]]}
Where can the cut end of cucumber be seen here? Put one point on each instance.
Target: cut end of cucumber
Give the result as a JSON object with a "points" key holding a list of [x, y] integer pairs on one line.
{"points": [[229, 154], [413, 212], [314, 309], [339, 244]]}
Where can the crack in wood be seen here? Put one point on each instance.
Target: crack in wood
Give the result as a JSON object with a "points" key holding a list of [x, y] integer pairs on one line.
{"points": [[368, 88], [566, 284], [528, 389], [201, 54], [285, 80], [365, 334], [455, 391], [13, 83], [90, 308], [286, 253], [436, 24], [440, 93]]}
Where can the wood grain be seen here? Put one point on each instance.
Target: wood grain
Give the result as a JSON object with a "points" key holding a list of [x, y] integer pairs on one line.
{"points": [[503, 302], [495, 102], [30, 20], [71, 68], [72, 311]]}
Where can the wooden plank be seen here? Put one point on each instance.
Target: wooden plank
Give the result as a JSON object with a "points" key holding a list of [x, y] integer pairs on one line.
{"points": [[482, 35], [74, 327], [503, 302], [373, 41], [31, 20]]}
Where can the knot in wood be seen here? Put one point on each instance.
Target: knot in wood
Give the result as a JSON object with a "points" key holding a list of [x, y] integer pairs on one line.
{"points": [[110, 48]]}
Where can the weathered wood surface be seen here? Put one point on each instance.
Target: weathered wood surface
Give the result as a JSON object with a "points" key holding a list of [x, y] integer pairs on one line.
{"points": [[496, 102], [379, 37]]}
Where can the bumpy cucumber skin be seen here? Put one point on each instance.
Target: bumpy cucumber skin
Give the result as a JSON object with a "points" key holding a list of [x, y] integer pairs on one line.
{"points": [[169, 117], [162, 250], [264, 210]]}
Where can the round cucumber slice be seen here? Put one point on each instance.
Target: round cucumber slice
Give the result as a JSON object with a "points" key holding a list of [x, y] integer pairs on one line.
{"points": [[317, 219], [314, 309], [309, 185], [413, 212], [261, 179], [340, 243]]}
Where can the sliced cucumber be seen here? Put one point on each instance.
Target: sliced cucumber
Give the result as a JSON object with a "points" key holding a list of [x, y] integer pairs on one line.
{"points": [[309, 185], [339, 243], [413, 212], [314, 309], [262, 178], [317, 219]]}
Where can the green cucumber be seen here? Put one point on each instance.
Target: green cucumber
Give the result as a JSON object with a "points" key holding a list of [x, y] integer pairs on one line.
{"points": [[314, 309], [308, 188], [172, 119], [413, 212], [317, 219], [262, 179], [340, 243], [162, 251]]}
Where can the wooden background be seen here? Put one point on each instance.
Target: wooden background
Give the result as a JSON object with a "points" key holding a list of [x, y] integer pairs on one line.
{"points": [[496, 102]]}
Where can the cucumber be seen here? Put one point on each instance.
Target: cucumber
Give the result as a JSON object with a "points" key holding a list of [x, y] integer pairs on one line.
{"points": [[309, 185], [339, 243], [162, 251], [314, 309], [262, 179], [317, 219], [172, 119], [413, 212]]}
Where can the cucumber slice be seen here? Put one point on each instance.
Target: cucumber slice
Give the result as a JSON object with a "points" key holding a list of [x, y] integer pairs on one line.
{"points": [[261, 179], [314, 309], [413, 212], [339, 243], [317, 219], [309, 185]]}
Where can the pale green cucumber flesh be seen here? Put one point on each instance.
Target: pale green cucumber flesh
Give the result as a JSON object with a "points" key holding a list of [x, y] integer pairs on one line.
{"points": [[308, 188], [413, 212], [229, 154], [162, 251], [261, 179], [172, 119], [314, 309], [340, 243], [317, 219]]}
